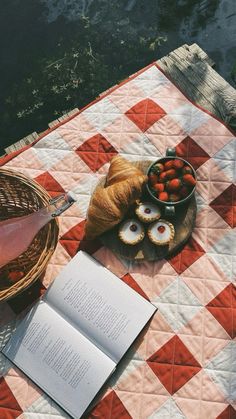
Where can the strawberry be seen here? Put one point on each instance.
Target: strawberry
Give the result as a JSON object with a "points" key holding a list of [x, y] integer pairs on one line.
{"points": [[187, 169], [173, 185], [158, 168], [162, 177], [159, 187], [153, 178], [189, 180], [178, 164], [184, 191], [163, 196], [170, 174], [168, 164], [174, 197], [15, 276]]}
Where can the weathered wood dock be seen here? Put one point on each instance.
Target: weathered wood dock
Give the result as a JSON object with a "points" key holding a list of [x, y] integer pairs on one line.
{"points": [[192, 71]]}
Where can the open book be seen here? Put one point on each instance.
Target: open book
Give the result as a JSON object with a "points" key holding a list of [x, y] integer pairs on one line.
{"points": [[71, 340]]}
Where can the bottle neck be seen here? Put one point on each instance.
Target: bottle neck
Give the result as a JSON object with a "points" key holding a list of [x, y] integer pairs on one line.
{"points": [[59, 204], [55, 207]]}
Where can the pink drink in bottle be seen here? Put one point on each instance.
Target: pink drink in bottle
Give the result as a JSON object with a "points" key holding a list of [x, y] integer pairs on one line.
{"points": [[16, 234]]}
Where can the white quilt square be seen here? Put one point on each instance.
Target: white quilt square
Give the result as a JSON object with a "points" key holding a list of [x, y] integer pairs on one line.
{"points": [[102, 113]]}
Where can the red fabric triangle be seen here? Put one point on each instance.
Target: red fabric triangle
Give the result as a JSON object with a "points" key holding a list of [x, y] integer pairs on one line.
{"points": [[90, 145], [139, 120], [225, 205], [191, 252], [96, 151], [192, 152], [228, 413], [227, 197], [174, 352], [129, 280], [223, 308], [73, 240], [226, 317], [145, 113], [75, 233], [47, 181], [181, 375], [226, 298], [105, 147], [173, 377], [9, 407], [110, 406], [71, 246], [165, 354], [182, 355], [165, 374], [103, 408]]}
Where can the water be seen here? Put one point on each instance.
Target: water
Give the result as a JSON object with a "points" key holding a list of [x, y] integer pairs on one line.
{"points": [[60, 54]]}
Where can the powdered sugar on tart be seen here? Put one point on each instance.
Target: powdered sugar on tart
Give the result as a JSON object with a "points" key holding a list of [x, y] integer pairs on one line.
{"points": [[161, 232], [131, 232], [148, 212]]}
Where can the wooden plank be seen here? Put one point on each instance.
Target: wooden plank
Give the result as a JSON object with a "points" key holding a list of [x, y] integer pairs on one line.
{"points": [[63, 117], [21, 143], [67, 115], [190, 70], [200, 54], [53, 123], [32, 137]]}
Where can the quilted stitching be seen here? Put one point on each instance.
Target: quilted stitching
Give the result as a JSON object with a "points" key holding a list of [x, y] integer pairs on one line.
{"points": [[8, 404], [183, 363]]}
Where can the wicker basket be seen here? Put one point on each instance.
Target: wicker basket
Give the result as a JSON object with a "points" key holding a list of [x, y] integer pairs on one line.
{"points": [[19, 196]]}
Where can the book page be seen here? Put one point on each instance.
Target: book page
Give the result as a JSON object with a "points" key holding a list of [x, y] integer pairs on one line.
{"points": [[59, 359], [100, 305]]}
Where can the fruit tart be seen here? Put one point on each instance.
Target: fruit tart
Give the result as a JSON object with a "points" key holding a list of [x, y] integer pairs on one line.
{"points": [[161, 232], [131, 232], [147, 212]]}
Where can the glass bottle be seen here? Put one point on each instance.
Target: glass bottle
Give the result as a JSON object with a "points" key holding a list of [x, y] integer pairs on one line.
{"points": [[16, 234]]}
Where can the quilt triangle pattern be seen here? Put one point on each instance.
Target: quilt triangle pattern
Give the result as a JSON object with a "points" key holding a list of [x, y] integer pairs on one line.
{"points": [[223, 308], [228, 413], [191, 252], [9, 407], [145, 113], [112, 403], [96, 151], [189, 150], [50, 184], [74, 240], [174, 364], [129, 280], [225, 205]]}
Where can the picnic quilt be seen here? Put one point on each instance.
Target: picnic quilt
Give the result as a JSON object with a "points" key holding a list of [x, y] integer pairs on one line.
{"points": [[183, 365]]}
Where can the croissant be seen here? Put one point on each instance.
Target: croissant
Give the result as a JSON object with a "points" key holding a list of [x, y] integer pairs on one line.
{"points": [[109, 205], [121, 169]]}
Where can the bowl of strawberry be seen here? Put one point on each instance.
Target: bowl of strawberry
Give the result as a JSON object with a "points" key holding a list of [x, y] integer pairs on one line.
{"points": [[171, 181]]}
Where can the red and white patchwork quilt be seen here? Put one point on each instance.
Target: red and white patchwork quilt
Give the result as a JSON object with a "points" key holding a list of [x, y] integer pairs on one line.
{"points": [[184, 363]]}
